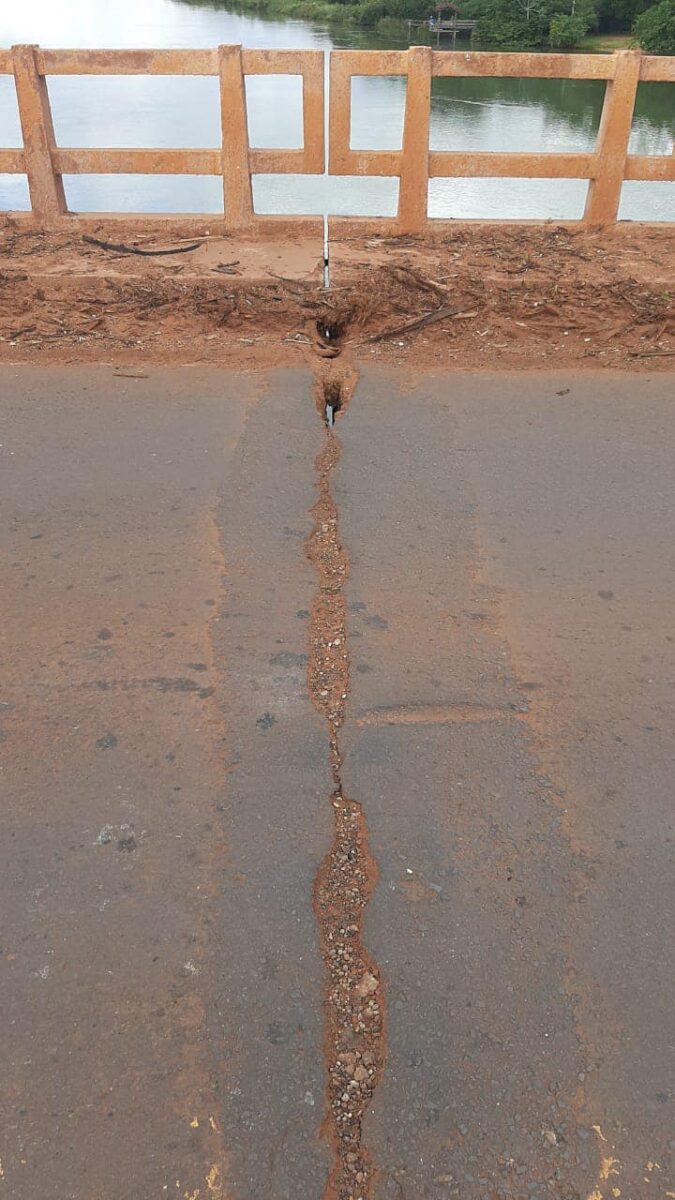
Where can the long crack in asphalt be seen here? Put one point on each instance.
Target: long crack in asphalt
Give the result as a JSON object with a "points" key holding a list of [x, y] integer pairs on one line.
{"points": [[354, 1004]]}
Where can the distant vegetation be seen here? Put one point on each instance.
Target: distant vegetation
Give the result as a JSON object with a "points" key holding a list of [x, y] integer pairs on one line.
{"points": [[511, 24], [655, 28], [565, 24]]}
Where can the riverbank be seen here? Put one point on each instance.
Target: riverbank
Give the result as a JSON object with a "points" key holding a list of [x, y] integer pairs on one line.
{"points": [[478, 296], [370, 16], [367, 14], [605, 43]]}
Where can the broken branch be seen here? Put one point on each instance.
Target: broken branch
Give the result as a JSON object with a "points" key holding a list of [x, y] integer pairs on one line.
{"points": [[120, 247]]}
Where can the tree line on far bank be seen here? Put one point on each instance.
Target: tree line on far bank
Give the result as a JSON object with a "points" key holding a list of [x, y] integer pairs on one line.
{"points": [[511, 24], [558, 24], [563, 24]]}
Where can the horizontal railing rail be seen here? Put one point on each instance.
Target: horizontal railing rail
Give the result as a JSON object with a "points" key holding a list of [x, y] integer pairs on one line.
{"points": [[606, 167], [45, 163]]}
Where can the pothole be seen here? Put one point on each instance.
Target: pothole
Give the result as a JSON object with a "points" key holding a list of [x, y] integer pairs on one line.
{"points": [[332, 394], [331, 329]]}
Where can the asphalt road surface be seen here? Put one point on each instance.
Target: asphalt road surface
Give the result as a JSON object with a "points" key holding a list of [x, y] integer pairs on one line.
{"points": [[166, 783]]}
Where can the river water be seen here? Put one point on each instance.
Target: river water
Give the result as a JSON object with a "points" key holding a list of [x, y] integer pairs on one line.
{"points": [[467, 114]]}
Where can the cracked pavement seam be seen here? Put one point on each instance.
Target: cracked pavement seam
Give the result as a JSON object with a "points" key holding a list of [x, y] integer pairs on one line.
{"points": [[354, 1042]]}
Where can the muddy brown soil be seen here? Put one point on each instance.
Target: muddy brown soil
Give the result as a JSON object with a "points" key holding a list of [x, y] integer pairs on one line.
{"points": [[518, 296]]}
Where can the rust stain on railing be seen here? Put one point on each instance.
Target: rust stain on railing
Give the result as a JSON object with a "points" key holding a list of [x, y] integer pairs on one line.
{"points": [[606, 167]]}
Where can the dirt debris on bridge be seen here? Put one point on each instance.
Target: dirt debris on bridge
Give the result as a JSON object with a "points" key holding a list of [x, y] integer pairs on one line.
{"points": [[483, 295]]}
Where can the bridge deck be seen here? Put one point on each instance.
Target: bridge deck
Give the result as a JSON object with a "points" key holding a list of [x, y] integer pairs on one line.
{"points": [[167, 792]]}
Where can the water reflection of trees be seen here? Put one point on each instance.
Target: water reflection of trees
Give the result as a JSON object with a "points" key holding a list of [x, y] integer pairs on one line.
{"points": [[656, 104], [578, 102]]}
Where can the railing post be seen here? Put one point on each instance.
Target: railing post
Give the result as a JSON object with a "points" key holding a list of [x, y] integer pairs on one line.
{"points": [[314, 111], [414, 185], [47, 196], [604, 190], [339, 113], [237, 191]]}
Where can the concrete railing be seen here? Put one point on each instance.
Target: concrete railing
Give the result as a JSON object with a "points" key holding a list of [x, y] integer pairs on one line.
{"points": [[606, 167]]}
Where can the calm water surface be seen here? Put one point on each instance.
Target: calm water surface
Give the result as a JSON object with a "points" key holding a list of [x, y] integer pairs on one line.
{"points": [[467, 114]]}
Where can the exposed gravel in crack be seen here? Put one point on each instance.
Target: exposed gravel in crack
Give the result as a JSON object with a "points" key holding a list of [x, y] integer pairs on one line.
{"points": [[354, 1004]]}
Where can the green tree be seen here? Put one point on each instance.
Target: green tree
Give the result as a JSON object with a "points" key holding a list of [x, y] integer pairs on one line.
{"points": [[566, 31], [370, 12], [525, 23], [654, 29], [518, 24]]}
